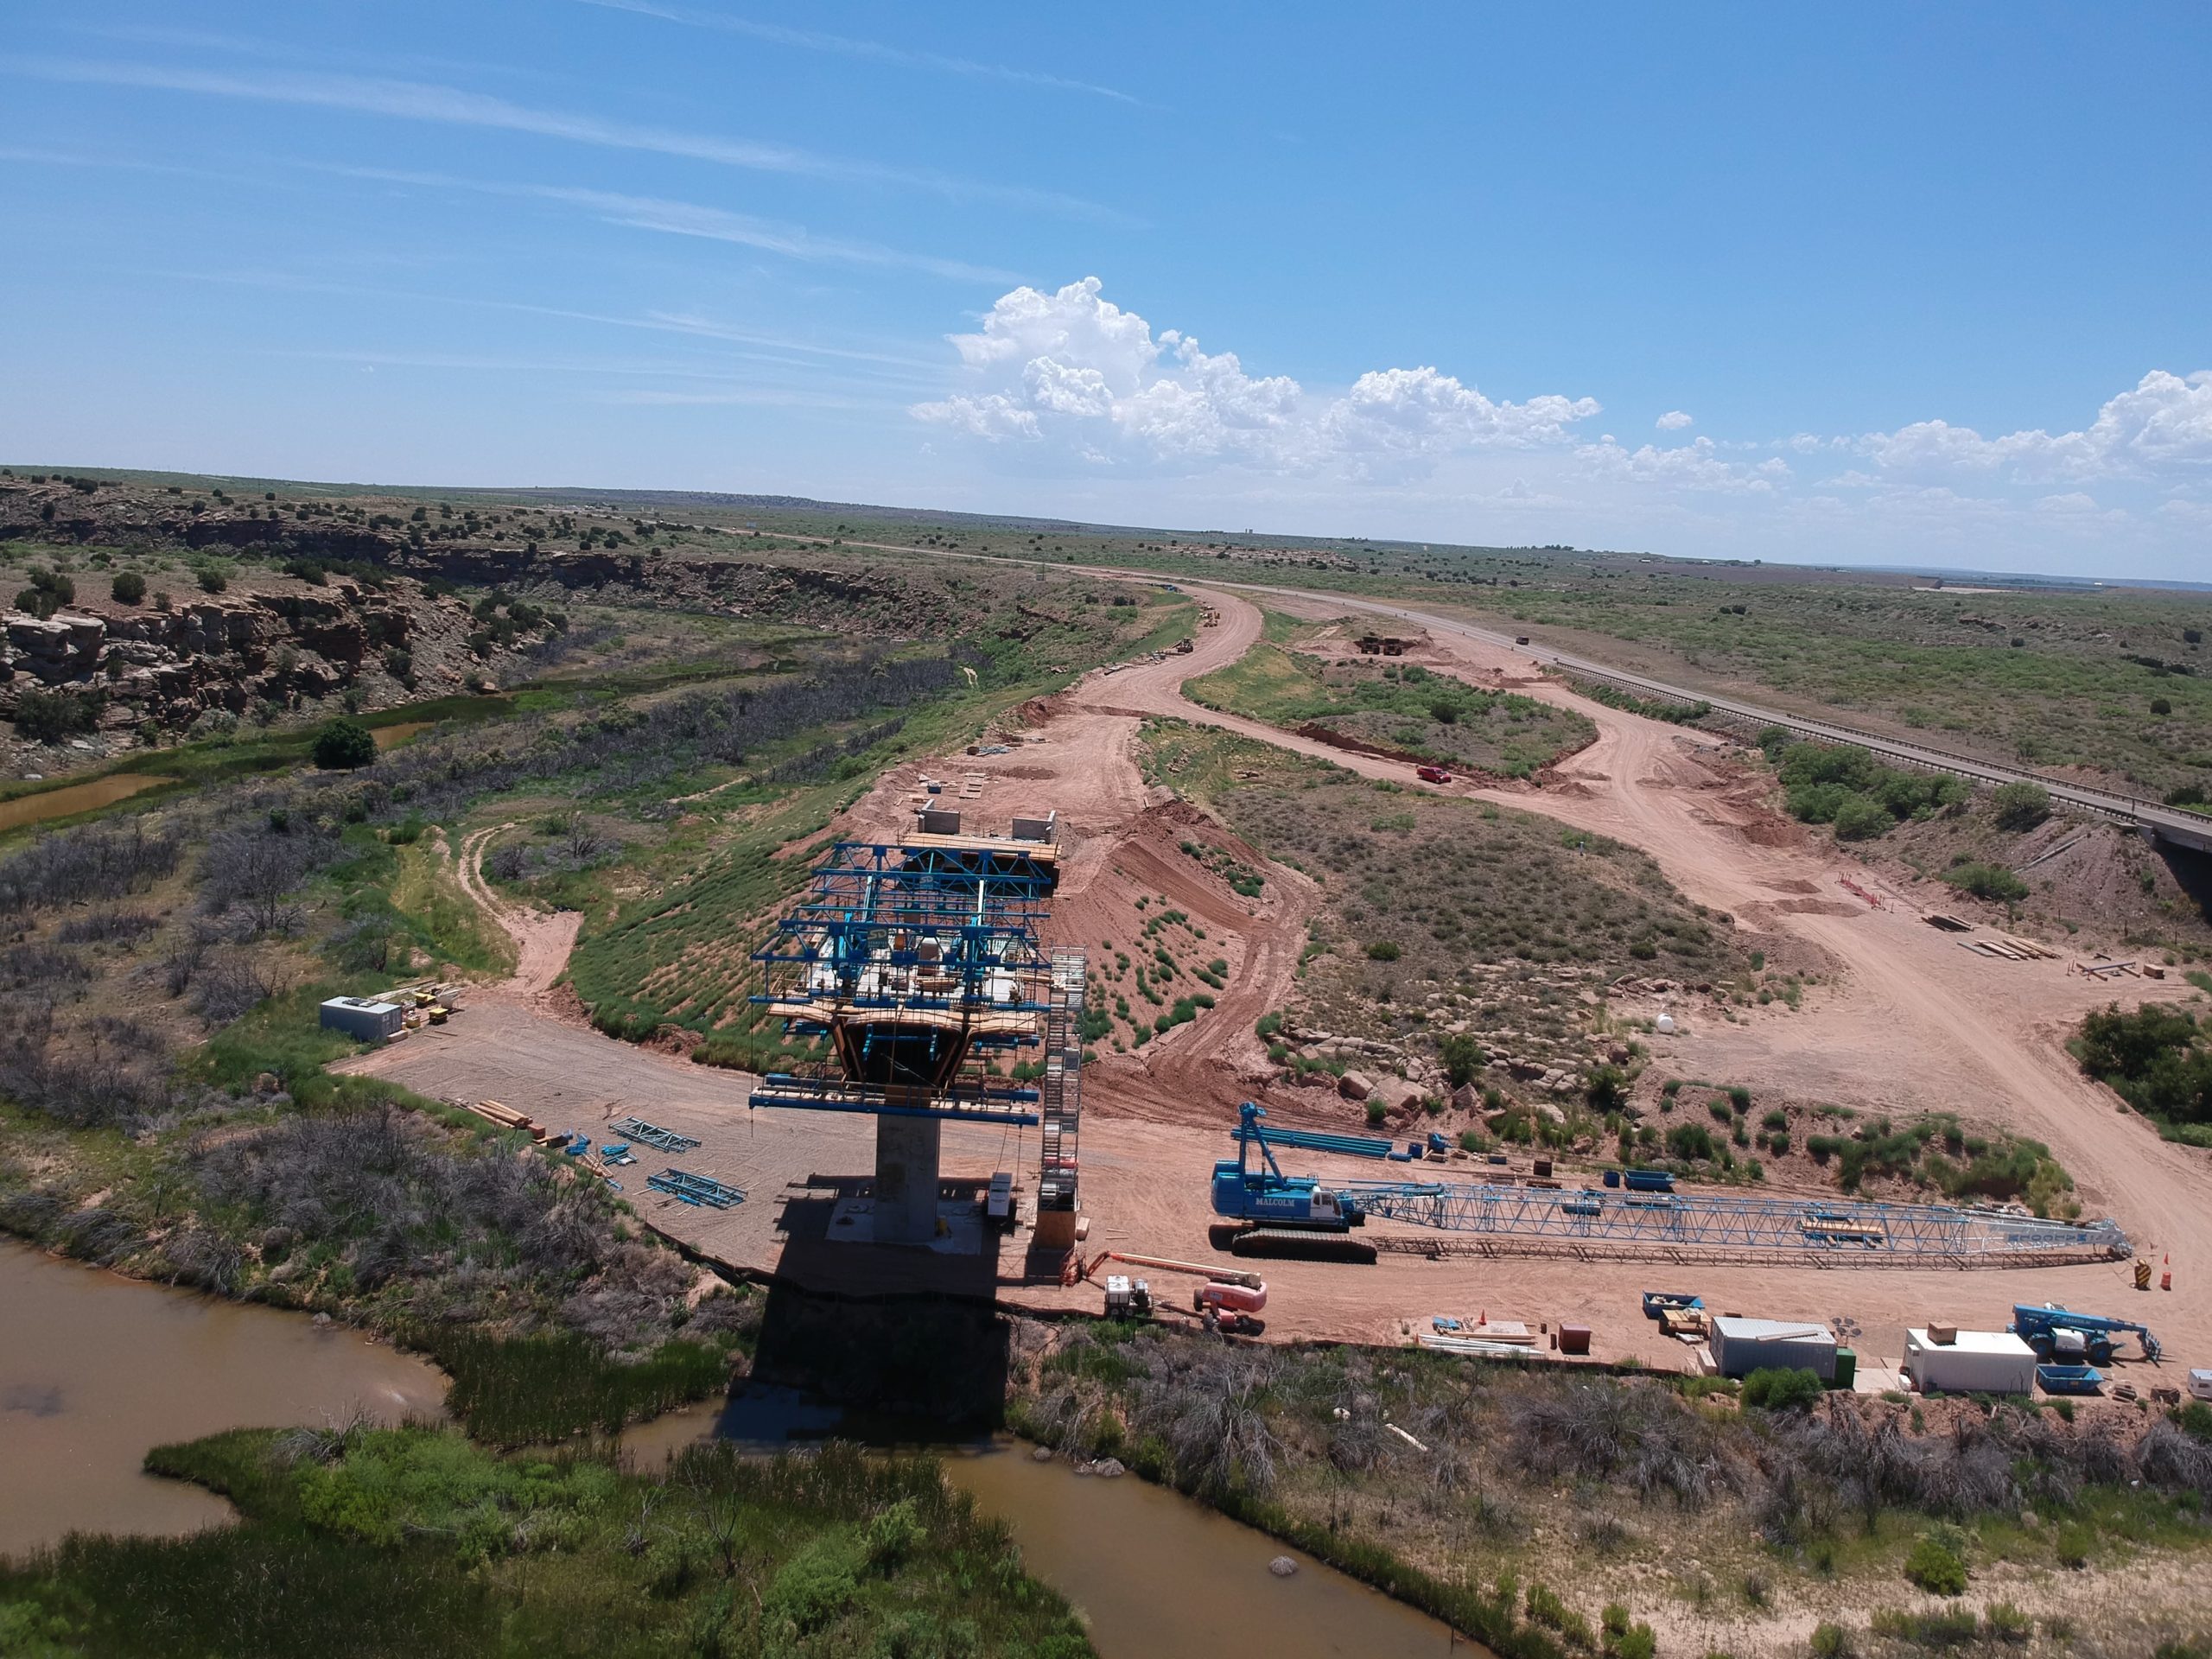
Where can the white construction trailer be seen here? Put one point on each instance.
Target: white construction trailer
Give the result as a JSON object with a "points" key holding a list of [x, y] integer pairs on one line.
{"points": [[1969, 1362]]}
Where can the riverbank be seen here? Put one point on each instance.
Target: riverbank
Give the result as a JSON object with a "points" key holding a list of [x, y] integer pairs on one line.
{"points": [[1545, 1514]]}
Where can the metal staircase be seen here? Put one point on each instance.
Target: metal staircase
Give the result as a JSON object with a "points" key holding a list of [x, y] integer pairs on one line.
{"points": [[1059, 1094]]}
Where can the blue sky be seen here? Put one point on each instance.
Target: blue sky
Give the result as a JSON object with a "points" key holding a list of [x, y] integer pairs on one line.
{"points": [[1885, 285]]}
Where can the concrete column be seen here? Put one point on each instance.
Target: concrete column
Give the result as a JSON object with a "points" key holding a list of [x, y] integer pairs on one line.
{"points": [[905, 1180]]}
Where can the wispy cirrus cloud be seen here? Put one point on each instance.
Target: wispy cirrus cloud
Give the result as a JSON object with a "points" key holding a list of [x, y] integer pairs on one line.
{"points": [[428, 101], [695, 219], [808, 40], [753, 343]]}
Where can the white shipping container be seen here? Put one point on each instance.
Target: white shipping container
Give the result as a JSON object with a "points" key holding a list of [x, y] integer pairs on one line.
{"points": [[1977, 1362]]}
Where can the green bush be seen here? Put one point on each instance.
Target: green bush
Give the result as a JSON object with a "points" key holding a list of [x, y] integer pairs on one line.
{"points": [[1463, 1058], [344, 745], [1830, 1642], [1986, 881], [1689, 1141], [2020, 806], [2155, 1057], [56, 716], [1384, 951], [1937, 1568], [128, 588], [211, 581], [1782, 1388], [1859, 817]]}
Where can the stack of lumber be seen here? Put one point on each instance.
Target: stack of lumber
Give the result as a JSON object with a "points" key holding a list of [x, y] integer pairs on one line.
{"points": [[507, 1118]]}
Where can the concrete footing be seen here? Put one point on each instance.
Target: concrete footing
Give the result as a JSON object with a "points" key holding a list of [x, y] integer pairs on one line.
{"points": [[906, 1180]]}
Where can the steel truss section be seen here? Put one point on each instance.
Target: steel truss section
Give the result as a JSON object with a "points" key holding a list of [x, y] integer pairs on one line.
{"points": [[1705, 1226], [1061, 1094]]}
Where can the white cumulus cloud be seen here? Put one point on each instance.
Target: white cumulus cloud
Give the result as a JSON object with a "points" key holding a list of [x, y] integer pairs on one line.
{"points": [[1696, 466], [2161, 426], [1073, 368], [1674, 421]]}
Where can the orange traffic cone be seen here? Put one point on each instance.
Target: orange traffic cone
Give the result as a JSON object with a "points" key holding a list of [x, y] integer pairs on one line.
{"points": [[2166, 1278]]}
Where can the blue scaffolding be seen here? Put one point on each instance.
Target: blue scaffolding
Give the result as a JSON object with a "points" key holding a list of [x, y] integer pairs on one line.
{"points": [[911, 965]]}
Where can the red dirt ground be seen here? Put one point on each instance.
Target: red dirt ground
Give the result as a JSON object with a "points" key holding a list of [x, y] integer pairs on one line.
{"points": [[1908, 1023]]}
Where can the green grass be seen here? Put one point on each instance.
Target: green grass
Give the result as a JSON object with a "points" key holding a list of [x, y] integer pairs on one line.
{"points": [[516, 1391], [1404, 707]]}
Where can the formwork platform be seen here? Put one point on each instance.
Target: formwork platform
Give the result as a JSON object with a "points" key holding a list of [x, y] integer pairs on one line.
{"points": [[910, 970]]}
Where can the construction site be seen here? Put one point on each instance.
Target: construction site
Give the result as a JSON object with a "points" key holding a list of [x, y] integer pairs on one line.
{"points": [[931, 1119]]}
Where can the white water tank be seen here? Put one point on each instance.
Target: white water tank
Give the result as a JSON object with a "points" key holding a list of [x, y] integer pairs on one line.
{"points": [[1665, 1025]]}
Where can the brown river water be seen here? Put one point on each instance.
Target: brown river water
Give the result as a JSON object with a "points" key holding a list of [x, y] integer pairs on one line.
{"points": [[95, 1369], [75, 798]]}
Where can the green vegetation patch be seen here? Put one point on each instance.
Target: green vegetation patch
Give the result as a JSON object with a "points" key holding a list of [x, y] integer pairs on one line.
{"points": [[369, 1542], [2158, 1060], [1400, 707], [1843, 785]]}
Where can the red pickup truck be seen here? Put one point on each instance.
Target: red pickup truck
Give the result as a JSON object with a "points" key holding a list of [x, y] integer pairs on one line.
{"points": [[1431, 774]]}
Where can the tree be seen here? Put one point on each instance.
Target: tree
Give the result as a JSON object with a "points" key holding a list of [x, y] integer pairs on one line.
{"points": [[2020, 806], [128, 588], [1859, 817], [344, 745]]}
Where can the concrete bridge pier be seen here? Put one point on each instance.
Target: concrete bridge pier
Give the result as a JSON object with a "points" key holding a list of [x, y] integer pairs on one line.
{"points": [[906, 1156]]}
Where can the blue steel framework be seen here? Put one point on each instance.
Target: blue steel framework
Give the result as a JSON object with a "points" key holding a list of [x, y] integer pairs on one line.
{"points": [[1716, 1224], [896, 950], [1510, 1219]]}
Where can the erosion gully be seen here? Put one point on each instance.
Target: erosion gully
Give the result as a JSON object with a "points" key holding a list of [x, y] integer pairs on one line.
{"points": [[98, 1368]]}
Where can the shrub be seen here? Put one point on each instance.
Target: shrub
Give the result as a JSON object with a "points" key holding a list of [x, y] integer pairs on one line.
{"points": [[128, 588], [1782, 1388], [1463, 1058], [211, 581], [1858, 818], [2020, 806], [1991, 882], [1384, 951], [1831, 1642], [1689, 1141], [1937, 1568], [344, 745], [55, 716], [2160, 706]]}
